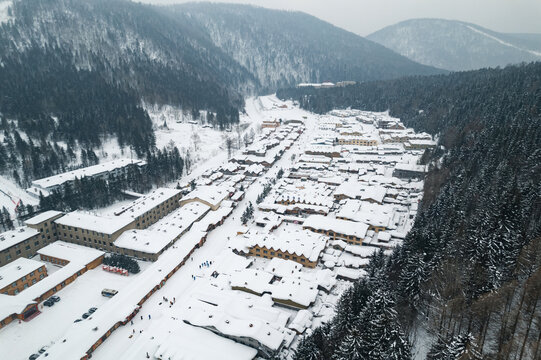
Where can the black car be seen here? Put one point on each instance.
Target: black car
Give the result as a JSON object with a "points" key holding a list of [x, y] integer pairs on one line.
{"points": [[48, 302], [92, 310], [77, 320], [55, 298], [85, 315], [33, 357]]}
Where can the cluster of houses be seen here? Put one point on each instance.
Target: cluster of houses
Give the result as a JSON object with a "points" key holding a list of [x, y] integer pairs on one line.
{"points": [[337, 204], [353, 189]]}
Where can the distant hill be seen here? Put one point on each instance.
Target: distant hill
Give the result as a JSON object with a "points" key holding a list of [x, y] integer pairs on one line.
{"points": [[457, 45], [91, 63], [281, 48]]}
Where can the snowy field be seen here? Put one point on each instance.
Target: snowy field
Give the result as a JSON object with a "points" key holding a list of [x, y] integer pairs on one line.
{"points": [[159, 325], [20, 340], [205, 145]]}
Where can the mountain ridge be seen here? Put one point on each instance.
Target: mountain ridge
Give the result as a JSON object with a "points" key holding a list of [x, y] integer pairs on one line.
{"points": [[457, 45]]}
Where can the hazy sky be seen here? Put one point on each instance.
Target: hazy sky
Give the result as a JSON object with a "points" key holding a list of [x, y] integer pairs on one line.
{"points": [[366, 16]]}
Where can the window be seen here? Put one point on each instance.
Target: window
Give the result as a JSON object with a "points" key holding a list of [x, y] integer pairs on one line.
{"points": [[41, 277], [27, 247], [36, 243], [14, 284], [32, 273], [18, 252], [25, 286], [265, 251], [40, 270], [34, 281]]}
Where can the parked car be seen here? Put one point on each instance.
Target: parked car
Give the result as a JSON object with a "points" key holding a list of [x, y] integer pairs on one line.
{"points": [[48, 302], [77, 320], [43, 349], [33, 357], [55, 298], [85, 315], [92, 310]]}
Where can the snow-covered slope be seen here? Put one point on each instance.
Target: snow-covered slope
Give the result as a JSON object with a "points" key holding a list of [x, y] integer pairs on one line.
{"points": [[456, 45], [284, 48]]}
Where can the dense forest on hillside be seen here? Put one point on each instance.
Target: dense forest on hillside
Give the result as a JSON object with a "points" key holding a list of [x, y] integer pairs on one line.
{"points": [[284, 48], [75, 73], [468, 276]]}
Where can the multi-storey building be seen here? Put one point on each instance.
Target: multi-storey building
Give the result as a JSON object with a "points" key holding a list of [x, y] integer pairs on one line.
{"points": [[20, 275]]}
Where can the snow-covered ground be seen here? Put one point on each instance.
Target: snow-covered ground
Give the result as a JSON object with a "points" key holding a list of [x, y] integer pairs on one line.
{"points": [[159, 325], [20, 340], [205, 145], [10, 195], [4, 14]]}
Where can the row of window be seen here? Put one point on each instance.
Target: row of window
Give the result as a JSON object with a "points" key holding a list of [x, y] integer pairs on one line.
{"points": [[279, 254]]}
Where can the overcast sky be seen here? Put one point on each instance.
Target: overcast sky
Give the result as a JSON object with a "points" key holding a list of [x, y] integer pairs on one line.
{"points": [[366, 16]]}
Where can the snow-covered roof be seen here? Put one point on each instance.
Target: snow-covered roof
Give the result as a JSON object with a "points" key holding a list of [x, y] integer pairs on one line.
{"points": [[339, 226], [16, 269], [145, 203], [411, 167], [94, 170], [147, 241], [71, 252], [181, 219], [363, 211], [302, 321], [423, 142], [212, 194], [184, 342], [288, 288], [100, 224], [283, 267], [13, 237], [44, 216], [352, 274], [230, 326], [299, 242]]}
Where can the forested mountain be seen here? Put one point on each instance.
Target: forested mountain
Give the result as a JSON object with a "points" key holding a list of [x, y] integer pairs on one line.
{"points": [[78, 71], [281, 48], [467, 279], [457, 45]]}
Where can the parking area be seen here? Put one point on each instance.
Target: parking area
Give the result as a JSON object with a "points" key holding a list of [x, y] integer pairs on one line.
{"points": [[75, 300]]}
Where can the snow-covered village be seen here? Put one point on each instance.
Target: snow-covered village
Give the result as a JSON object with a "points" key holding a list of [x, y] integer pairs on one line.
{"points": [[239, 259]]}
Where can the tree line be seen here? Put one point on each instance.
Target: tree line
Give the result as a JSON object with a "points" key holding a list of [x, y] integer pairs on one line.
{"points": [[161, 167], [467, 275]]}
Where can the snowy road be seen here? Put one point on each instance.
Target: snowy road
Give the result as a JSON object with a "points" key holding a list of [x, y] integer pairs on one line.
{"points": [[181, 285]]}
